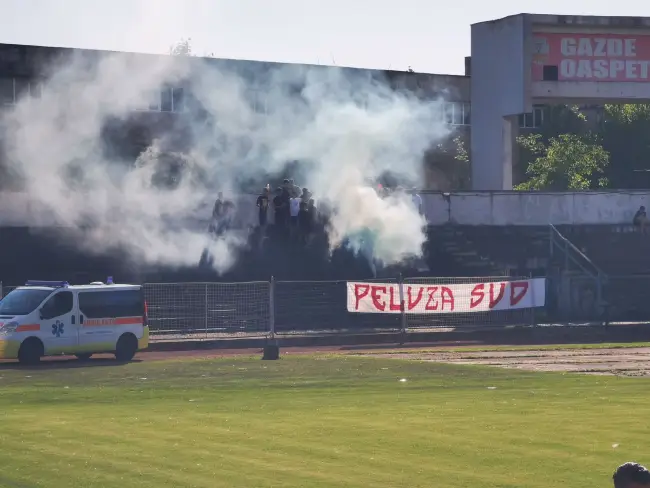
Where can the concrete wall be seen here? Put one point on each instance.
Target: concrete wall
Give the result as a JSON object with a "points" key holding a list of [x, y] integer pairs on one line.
{"points": [[463, 208], [18, 210], [569, 91], [533, 208], [499, 83]]}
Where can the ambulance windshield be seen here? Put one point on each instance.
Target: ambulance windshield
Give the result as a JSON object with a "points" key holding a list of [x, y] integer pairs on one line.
{"points": [[22, 301]]}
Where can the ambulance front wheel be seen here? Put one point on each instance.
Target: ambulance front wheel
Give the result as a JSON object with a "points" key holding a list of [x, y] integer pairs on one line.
{"points": [[31, 351], [127, 346]]}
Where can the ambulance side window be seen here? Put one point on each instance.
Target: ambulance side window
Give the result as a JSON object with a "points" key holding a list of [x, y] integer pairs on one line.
{"points": [[111, 304], [57, 305]]}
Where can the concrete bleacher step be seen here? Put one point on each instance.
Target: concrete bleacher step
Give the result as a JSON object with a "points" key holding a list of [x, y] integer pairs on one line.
{"points": [[466, 253], [452, 248], [489, 250]]}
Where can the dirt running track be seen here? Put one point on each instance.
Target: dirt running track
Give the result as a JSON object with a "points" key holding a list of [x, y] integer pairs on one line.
{"points": [[147, 356], [218, 353], [610, 361], [615, 361]]}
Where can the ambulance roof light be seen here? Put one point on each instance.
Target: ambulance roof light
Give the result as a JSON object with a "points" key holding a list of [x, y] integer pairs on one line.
{"points": [[53, 284]]}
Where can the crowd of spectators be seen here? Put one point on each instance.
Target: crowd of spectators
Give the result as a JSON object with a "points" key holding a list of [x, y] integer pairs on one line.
{"points": [[290, 209], [294, 211]]}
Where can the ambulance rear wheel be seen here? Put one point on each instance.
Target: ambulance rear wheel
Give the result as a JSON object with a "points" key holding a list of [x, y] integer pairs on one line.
{"points": [[83, 357], [30, 352], [127, 346]]}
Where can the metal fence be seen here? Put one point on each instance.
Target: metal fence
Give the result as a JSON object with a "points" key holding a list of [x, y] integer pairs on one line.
{"points": [[626, 299], [221, 310]]}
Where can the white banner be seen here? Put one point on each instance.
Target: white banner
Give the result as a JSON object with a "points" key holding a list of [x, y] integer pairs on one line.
{"points": [[366, 297]]}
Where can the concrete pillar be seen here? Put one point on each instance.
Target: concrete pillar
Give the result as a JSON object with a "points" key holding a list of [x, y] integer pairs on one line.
{"points": [[510, 131]]}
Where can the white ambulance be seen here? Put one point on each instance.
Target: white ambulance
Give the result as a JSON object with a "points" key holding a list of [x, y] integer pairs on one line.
{"points": [[46, 318]]}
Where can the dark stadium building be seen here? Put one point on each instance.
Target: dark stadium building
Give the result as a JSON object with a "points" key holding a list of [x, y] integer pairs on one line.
{"points": [[23, 70]]}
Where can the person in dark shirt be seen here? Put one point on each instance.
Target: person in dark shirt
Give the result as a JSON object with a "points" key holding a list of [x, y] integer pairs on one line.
{"points": [[227, 218], [280, 205], [286, 186], [641, 219], [306, 215], [286, 198], [217, 214], [294, 189], [263, 206], [217, 210]]}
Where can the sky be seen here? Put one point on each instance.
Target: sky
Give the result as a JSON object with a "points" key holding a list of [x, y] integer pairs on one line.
{"points": [[383, 34]]}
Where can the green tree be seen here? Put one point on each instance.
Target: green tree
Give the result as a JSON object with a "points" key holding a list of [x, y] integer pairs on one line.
{"points": [[562, 119], [565, 162], [624, 129], [182, 48], [557, 120], [463, 165]]}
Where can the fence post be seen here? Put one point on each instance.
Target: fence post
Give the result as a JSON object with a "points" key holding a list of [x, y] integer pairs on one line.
{"points": [[205, 311], [603, 308], [402, 309], [534, 308], [272, 308]]}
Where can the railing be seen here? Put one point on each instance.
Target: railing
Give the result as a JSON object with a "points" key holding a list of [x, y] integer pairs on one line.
{"points": [[280, 308], [572, 255]]}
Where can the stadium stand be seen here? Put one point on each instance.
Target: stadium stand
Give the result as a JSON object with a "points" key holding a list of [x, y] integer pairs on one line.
{"points": [[456, 250], [451, 250], [620, 252], [617, 249]]}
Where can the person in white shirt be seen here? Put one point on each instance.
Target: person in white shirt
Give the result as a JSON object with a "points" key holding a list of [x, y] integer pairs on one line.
{"points": [[294, 211]]}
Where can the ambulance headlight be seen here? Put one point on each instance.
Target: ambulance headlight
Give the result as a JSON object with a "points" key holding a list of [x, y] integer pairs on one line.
{"points": [[9, 327]]}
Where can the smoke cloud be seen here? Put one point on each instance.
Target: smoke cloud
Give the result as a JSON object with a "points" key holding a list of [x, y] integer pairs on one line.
{"points": [[345, 127]]}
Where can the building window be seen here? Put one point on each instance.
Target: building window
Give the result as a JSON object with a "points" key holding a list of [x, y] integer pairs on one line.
{"points": [[532, 120], [467, 114], [7, 91], [14, 89], [21, 88], [35, 89], [154, 101], [456, 113], [178, 100], [166, 100], [258, 101]]}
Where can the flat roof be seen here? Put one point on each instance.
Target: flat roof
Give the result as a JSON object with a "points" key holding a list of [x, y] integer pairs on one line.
{"points": [[578, 20], [268, 64]]}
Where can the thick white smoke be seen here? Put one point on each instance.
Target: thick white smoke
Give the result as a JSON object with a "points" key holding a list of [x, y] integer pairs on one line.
{"points": [[348, 128]]}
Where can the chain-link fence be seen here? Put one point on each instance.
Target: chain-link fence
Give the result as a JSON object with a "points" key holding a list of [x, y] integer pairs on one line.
{"points": [[626, 299], [457, 302], [303, 307], [221, 310], [208, 309]]}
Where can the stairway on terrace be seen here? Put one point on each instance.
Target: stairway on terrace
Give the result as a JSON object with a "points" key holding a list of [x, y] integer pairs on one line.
{"points": [[616, 249], [463, 250], [623, 253]]}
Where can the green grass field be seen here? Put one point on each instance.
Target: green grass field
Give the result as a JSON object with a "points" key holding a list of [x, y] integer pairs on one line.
{"points": [[315, 422]]}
